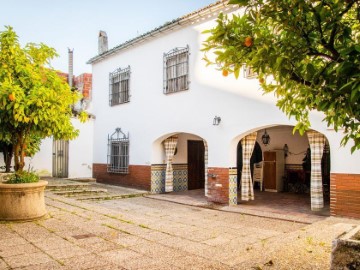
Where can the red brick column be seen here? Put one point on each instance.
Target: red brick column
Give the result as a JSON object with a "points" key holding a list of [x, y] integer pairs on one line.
{"points": [[218, 185], [345, 195], [139, 176]]}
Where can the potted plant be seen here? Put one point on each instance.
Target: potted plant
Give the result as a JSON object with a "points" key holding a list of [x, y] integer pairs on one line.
{"points": [[35, 103]]}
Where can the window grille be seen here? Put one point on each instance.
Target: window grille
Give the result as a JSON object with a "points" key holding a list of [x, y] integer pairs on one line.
{"points": [[119, 86], [249, 73], [176, 70], [118, 152]]}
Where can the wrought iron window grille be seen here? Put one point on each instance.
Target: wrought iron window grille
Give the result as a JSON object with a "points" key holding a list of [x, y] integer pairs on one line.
{"points": [[118, 152], [176, 70], [119, 86]]}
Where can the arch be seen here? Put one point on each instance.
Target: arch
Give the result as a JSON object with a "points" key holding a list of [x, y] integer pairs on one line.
{"points": [[281, 135], [180, 162]]}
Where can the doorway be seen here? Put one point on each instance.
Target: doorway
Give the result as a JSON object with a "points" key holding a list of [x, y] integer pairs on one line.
{"points": [[60, 159], [196, 164]]}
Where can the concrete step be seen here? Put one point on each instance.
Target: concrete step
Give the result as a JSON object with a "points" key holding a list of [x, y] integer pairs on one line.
{"points": [[109, 196], [80, 192], [83, 180], [67, 186]]}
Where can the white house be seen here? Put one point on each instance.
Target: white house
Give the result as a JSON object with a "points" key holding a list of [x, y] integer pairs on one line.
{"points": [[166, 122]]}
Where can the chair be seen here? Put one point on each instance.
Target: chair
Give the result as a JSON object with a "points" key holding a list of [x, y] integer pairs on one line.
{"points": [[258, 174]]}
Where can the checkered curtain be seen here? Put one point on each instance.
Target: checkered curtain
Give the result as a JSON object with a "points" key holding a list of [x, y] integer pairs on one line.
{"points": [[170, 145], [247, 189], [317, 143]]}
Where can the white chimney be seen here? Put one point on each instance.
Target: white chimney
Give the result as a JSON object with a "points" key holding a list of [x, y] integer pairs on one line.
{"points": [[71, 64], [103, 42]]}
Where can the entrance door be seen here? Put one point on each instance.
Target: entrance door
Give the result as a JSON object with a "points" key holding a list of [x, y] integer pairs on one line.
{"points": [[60, 158], [270, 170], [196, 165]]}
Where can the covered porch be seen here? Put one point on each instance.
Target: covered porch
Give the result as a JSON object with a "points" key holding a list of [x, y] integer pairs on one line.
{"points": [[281, 205]]}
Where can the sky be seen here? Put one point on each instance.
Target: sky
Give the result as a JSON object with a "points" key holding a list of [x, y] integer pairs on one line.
{"points": [[75, 24]]}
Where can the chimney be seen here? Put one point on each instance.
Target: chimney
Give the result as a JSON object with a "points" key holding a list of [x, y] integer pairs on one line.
{"points": [[71, 64], [103, 42]]}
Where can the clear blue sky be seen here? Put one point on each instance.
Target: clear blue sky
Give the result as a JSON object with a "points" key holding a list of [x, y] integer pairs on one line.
{"points": [[75, 24]]}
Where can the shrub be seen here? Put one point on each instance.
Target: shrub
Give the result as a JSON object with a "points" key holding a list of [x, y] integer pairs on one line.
{"points": [[23, 177]]}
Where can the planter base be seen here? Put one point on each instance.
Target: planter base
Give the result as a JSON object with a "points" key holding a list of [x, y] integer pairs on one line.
{"points": [[22, 202], [346, 251]]}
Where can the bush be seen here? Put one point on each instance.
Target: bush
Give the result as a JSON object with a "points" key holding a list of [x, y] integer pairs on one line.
{"points": [[23, 177]]}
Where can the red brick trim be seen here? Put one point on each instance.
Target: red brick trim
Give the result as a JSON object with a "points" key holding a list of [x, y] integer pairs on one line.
{"points": [[139, 176], [345, 195], [218, 185]]}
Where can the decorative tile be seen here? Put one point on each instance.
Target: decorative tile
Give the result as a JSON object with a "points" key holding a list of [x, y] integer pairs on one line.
{"points": [[232, 186], [158, 178]]}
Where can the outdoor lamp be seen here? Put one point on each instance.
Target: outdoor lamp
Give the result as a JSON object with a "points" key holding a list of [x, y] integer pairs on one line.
{"points": [[265, 138], [217, 120], [286, 150]]}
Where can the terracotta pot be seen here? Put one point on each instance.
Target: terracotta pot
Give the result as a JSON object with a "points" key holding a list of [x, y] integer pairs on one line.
{"points": [[21, 202]]}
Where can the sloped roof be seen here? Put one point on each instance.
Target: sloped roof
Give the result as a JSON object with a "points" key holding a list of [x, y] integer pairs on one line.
{"points": [[181, 21]]}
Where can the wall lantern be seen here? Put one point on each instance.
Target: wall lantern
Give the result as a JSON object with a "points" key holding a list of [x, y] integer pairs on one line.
{"points": [[265, 138], [286, 150], [217, 120]]}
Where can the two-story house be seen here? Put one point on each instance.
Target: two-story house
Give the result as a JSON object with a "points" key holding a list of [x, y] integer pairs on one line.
{"points": [[166, 122]]}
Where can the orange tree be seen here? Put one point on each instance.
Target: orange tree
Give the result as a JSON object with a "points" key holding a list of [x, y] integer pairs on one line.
{"points": [[35, 102], [309, 49]]}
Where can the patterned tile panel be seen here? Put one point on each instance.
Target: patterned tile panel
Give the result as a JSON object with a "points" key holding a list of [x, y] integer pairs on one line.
{"points": [[233, 186], [158, 172], [180, 177]]}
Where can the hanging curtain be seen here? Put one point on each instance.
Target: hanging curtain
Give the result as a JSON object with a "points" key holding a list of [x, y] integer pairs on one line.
{"points": [[247, 189], [170, 146], [317, 143]]}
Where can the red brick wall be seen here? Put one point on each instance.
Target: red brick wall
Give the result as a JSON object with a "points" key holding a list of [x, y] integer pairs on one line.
{"points": [[85, 82], [345, 195], [139, 176], [218, 187]]}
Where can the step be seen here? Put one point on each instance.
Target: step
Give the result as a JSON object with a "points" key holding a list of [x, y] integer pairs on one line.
{"points": [[110, 196], [83, 180], [80, 192], [70, 186]]}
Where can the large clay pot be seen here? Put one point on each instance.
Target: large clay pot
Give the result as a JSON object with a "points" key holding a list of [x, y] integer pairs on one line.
{"points": [[21, 202]]}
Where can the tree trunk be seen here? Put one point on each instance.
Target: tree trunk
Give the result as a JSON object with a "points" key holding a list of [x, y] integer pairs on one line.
{"points": [[19, 153], [8, 154]]}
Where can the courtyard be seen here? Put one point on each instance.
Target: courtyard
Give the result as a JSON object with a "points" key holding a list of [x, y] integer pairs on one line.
{"points": [[139, 232]]}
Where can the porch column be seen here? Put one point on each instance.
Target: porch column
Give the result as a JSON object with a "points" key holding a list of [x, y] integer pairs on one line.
{"points": [[317, 142], [170, 146], [247, 188]]}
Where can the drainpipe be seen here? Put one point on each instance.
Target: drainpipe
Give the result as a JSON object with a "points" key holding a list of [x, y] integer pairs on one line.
{"points": [[71, 64]]}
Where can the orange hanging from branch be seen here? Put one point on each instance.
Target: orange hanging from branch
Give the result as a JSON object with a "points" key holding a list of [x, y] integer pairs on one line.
{"points": [[248, 41]]}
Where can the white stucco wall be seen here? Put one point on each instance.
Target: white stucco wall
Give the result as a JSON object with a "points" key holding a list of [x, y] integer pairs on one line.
{"points": [[80, 153], [151, 115]]}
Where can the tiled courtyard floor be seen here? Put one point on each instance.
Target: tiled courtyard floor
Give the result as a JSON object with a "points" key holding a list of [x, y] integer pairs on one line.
{"points": [[143, 233]]}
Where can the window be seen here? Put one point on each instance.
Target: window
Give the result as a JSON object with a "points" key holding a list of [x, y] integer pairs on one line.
{"points": [[176, 70], [249, 72], [119, 86], [118, 152]]}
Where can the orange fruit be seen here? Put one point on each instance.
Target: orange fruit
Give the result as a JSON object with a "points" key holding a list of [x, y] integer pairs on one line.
{"points": [[248, 41], [12, 97], [261, 80], [225, 72]]}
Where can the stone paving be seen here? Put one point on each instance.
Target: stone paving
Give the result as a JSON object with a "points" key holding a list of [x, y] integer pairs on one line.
{"points": [[143, 233]]}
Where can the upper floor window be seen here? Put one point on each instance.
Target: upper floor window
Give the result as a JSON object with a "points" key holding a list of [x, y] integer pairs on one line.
{"points": [[176, 70], [118, 152], [119, 86]]}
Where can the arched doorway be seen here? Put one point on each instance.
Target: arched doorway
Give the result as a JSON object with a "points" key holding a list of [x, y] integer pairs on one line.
{"points": [[179, 163], [293, 186]]}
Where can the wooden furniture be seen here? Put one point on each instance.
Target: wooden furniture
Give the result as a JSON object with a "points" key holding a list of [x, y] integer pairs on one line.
{"points": [[274, 164], [258, 174]]}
